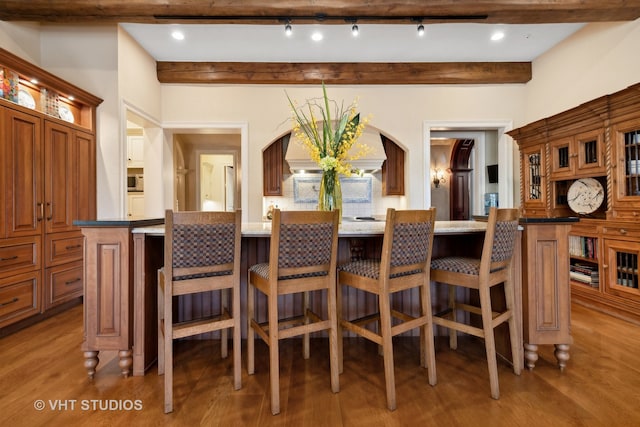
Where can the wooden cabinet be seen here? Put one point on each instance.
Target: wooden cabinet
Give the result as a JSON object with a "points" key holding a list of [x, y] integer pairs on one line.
{"points": [[23, 158], [273, 168], [576, 156], [601, 140], [546, 297], [48, 180], [392, 169], [533, 181]]}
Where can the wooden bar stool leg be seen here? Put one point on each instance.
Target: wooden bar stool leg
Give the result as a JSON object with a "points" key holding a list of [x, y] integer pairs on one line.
{"points": [[333, 338], [387, 350], [489, 341], [340, 332], [160, 320], [224, 336], [453, 334], [305, 337], [274, 354], [237, 339], [514, 331], [168, 349], [428, 354], [251, 312]]}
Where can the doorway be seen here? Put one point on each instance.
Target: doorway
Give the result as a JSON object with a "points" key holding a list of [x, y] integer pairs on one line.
{"points": [[216, 183]]}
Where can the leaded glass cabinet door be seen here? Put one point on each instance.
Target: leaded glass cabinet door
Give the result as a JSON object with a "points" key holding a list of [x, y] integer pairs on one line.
{"points": [[622, 268], [534, 181]]}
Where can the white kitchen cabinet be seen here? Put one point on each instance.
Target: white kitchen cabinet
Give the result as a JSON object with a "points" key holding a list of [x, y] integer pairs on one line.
{"points": [[135, 152], [135, 205]]}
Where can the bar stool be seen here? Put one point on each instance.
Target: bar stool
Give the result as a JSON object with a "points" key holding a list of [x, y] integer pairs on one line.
{"points": [[201, 254], [302, 259], [403, 265], [493, 268]]}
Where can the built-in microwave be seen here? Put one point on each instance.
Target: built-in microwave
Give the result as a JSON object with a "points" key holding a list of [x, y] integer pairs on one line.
{"points": [[135, 182]]}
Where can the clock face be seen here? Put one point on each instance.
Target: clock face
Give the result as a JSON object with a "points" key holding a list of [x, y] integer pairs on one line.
{"points": [[585, 196]]}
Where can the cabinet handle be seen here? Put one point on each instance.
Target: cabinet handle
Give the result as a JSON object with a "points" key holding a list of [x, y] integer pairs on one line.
{"points": [[10, 258], [2, 304], [50, 211], [41, 206], [605, 266], [73, 246], [623, 231], [71, 282]]}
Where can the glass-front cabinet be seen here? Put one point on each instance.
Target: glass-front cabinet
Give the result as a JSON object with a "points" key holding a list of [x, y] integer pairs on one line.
{"points": [[576, 156], [622, 268], [534, 181], [626, 169]]}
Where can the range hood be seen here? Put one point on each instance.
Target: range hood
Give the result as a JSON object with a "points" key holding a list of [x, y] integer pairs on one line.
{"points": [[298, 157]]}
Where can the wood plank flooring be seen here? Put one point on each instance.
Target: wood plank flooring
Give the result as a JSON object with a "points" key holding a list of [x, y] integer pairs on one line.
{"points": [[600, 387]]}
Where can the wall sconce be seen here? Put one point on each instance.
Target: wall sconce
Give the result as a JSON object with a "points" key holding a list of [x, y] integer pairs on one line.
{"points": [[438, 177]]}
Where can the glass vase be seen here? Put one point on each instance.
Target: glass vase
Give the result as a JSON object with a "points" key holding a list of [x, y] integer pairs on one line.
{"points": [[330, 197]]}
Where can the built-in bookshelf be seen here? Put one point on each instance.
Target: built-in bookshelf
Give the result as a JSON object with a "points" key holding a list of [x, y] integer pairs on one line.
{"points": [[583, 264]]}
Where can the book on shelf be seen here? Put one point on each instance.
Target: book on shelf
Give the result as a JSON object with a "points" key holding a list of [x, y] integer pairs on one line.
{"points": [[583, 246], [585, 273]]}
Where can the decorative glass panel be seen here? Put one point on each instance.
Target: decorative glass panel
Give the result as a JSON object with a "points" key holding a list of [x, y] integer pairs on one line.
{"points": [[534, 177]]}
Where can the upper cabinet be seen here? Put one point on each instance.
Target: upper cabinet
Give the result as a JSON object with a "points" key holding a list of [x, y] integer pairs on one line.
{"points": [[273, 168], [579, 155], [392, 169]]}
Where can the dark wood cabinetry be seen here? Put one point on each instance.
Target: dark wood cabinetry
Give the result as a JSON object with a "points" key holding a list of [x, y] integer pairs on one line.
{"points": [[392, 169], [48, 181], [273, 168], [601, 140]]}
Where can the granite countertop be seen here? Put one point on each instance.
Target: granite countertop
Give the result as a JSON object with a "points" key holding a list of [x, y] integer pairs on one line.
{"points": [[347, 228], [119, 222]]}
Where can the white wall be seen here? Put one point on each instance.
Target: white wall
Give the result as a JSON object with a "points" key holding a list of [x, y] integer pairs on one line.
{"points": [[597, 60]]}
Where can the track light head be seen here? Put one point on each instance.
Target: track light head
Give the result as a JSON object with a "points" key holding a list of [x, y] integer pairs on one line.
{"points": [[420, 30], [287, 30], [354, 30]]}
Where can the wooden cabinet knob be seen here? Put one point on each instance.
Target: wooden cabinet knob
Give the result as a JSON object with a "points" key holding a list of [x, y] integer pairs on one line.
{"points": [[623, 231]]}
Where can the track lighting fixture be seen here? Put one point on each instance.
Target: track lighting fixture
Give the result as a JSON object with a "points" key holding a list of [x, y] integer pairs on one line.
{"points": [[354, 30], [287, 29], [420, 30]]}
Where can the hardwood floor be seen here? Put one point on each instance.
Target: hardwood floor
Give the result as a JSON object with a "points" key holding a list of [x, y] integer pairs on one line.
{"points": [[600, 386]]}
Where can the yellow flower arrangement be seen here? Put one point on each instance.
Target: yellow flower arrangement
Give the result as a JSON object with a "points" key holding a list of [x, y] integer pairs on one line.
{"points": [[327, 137]]}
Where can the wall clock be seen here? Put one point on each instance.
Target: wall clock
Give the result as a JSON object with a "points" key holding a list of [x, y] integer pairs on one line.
{"points": [[585, 196]]}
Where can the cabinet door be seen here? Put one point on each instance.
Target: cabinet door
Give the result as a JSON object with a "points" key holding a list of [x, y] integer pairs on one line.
{"points": [[272, 169], [392, 169], [22, 166], [626, 162], [534, 188], [590, 153], [135, 205], [59, 177], [621, 259], [135, 151], [83, 189], [563, 158]]}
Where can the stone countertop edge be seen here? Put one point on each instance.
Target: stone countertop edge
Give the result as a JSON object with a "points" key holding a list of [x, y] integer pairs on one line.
{"points": [[119, 222], [549, 220], [351, 229]]}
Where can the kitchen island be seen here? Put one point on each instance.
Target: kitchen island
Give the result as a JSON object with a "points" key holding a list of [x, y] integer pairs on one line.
{"points": [[121, 281]]}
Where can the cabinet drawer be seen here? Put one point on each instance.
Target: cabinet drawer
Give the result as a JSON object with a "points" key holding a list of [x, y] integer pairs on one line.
{"points": [[63, 282], [19, 297], [621, 232], [19, 255], [63, 247]]}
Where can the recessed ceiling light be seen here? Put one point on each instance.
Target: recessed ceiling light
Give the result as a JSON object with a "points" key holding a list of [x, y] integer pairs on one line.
{"points": [[316, 36], [177, 34], [498, 35]]}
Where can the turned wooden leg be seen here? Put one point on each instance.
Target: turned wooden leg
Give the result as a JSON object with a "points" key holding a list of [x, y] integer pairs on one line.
{"points": [[530, 355], [90, 362], [126, 361], [562, 355]]}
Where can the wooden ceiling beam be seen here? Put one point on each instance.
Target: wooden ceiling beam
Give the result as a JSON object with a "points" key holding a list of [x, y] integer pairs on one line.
{"points": [[373, 73], [325, 11]]}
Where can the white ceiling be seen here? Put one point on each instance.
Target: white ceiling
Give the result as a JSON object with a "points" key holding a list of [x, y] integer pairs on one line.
{"points": [[375, 43]]}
